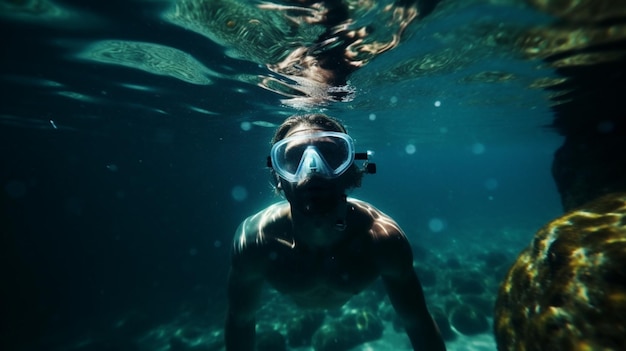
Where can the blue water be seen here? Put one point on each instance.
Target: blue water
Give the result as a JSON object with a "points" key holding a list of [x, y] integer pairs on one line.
{"points": [[121, 188]]}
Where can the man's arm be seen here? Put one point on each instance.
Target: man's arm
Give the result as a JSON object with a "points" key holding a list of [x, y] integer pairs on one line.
{"points": [[245, 281], [244, 292], [407, 297]]}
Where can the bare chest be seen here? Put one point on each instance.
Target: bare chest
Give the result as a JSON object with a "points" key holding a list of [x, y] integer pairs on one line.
{"points": [[322, 278]]}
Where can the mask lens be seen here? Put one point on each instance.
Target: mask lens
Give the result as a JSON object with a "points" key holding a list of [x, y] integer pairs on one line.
{"points": [[335, 152], [291, 157]]}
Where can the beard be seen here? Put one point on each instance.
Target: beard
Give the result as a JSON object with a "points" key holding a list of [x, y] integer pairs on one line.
{"points": [[320, 204], [317, 198]]}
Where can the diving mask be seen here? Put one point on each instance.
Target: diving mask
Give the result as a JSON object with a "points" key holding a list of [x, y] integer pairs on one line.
{"points": [[324, 154]]}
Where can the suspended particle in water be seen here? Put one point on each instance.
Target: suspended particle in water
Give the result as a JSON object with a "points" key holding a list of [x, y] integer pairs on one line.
{"points": [[393, 100], [410, 149], [372, 116], [491, 184], [246, 126], [239, 193], [437, 103], [436, 225], [478, 149], [112, 167]]}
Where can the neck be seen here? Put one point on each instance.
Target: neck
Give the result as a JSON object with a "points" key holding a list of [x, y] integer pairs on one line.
{"points": [[320, 230]]}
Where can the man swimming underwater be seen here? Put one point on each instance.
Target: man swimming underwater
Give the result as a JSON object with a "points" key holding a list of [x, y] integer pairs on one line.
{"points": [[320, 248]]}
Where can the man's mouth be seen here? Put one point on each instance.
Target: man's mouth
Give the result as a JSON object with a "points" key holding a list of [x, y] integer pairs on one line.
{"points": [[315, 185]]}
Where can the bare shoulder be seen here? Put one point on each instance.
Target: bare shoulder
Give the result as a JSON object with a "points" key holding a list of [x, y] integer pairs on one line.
{"points": [[255, 230], [382, 227], [392, 248]]}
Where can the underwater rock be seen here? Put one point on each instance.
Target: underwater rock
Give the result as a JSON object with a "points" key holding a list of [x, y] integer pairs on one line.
{"points": [[386, 312], [179, 344], [397, 324], [451, 302], [567, 290], [444, 325], [369, 299], [421, 254], [300, 329], [494, 259], [499, 273], [453, 263], [354, 328], [271, 340], [467, 284], [469, 320], [426, 276], [484, 303], [186, 340]]}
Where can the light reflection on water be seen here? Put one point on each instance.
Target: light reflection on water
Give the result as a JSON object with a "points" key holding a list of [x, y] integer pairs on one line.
{"points": [[483, 66]]}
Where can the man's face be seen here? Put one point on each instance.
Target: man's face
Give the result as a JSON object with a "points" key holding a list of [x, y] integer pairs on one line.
{"points": [[313, 194]]}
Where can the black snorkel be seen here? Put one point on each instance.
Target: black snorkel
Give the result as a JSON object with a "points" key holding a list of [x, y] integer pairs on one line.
{"points": [[368, 167]]}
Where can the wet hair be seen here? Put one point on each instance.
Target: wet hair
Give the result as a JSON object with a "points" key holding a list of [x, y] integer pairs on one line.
{"points": [[327, 123], [314, 120]]}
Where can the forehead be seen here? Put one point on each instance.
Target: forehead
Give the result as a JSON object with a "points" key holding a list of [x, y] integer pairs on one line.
{"points": [[305, 129]]}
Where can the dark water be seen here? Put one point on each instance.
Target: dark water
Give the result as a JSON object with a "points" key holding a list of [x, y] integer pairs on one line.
{"points": [[123, 181]]}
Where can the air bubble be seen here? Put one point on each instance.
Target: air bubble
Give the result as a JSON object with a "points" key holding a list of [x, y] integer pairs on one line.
{"points": [[239, 193], [491, 184], [478, 149], [436, 225], [246, 126], [410, 149]]}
